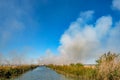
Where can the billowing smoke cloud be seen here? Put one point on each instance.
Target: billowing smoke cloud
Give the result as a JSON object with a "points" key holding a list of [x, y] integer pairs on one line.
{"points": [[85, 41], [116, 4]]}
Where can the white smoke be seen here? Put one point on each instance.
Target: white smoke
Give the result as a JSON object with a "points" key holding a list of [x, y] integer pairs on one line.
{"points": [[116, 4], [84, 41], [15, 58]]}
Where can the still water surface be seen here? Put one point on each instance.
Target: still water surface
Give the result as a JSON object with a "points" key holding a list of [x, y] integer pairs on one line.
{"points": [[42, 73]]}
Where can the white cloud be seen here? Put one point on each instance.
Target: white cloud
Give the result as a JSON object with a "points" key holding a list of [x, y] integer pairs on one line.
{"points": [[116, 4]]}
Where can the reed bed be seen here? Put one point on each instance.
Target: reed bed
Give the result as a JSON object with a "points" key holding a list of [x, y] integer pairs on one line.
{"points": [[75, 71], [7, 72]]}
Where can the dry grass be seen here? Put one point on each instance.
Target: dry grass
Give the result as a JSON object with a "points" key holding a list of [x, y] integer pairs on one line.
{"points": [[109, 67]]}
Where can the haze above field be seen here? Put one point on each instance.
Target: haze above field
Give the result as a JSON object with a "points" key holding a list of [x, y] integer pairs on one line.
{"points": [[58, 31]]}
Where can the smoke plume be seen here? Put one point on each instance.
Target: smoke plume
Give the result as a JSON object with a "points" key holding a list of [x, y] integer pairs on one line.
{"points": [[85, 40]]}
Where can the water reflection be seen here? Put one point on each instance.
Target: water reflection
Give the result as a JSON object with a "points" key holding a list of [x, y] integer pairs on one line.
{"points": [[42, 73]]}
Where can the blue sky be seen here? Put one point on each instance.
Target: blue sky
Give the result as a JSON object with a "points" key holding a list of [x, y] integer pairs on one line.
{"points": [[34, 26]]}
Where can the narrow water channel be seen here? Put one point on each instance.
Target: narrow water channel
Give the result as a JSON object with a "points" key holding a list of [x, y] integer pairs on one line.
{"points": [[42, 73]]}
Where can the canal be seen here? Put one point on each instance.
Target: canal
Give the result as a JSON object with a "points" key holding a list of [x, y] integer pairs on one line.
{"points": [[42, 73]]}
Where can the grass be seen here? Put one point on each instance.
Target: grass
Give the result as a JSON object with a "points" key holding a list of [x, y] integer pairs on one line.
{"points": [[7, 72]]}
